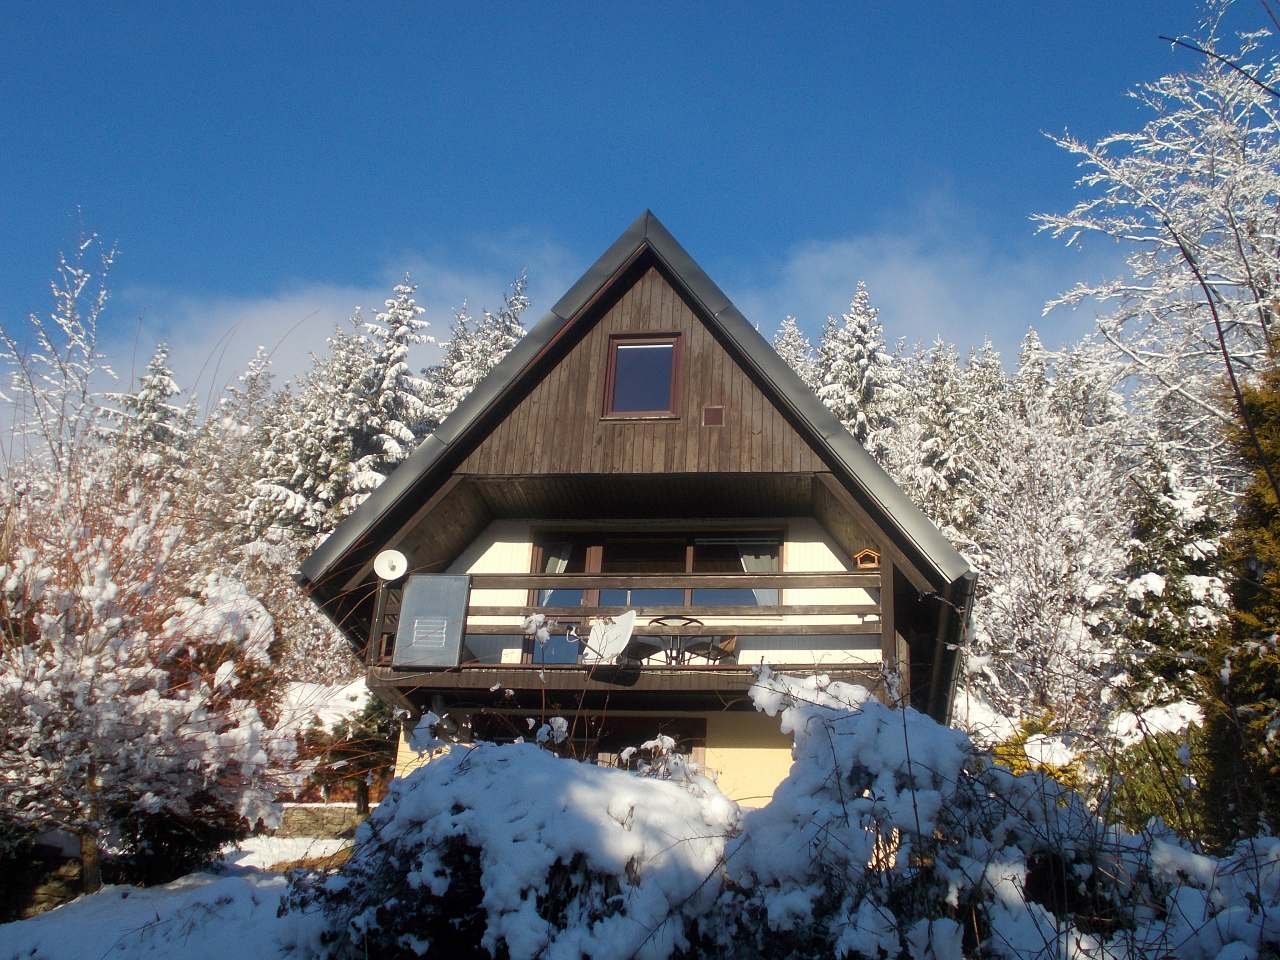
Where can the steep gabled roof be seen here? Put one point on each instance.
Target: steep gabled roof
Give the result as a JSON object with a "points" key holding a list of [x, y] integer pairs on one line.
{"points": [[882, 500]]}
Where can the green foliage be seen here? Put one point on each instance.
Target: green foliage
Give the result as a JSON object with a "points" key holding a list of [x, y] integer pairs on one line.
{"points": [[1160, 776], [1244, 665], [160, 847], [358, 751]]}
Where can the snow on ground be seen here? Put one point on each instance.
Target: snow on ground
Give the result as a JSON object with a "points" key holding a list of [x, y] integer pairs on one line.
{"points": [[265, 852], [980, 719], [327, 704], [200, 916]]}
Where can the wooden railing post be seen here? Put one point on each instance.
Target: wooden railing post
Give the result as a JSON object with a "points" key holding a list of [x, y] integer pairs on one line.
{"points": [[888, 632]]}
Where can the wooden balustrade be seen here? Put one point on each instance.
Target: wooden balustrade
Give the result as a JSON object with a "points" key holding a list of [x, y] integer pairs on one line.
{"points": [[745, 619]]}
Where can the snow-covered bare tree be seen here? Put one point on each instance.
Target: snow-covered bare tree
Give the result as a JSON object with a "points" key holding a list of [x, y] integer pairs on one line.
{"points": [[1048, 532], [127, 688], [53, 386], [1199, 182]]}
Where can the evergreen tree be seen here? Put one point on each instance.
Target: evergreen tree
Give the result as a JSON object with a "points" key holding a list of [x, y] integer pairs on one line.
{"points": [[501, 331], [1243, 675], [944, 474], [305, 470], [146, 425], [794, 347], [472, 351], [1032, 379], [389, 400], [855, 375], [1174, 598]]}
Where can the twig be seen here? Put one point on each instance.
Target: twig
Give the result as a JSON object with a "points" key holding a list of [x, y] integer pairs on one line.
{"points": [[1226, 359], [1225, 61]]}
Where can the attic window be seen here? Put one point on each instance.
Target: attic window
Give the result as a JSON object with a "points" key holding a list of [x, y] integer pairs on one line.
{"points": [[643, 376]]}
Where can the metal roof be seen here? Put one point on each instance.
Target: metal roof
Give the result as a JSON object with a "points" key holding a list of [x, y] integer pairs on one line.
{"points": [[911, 530]]}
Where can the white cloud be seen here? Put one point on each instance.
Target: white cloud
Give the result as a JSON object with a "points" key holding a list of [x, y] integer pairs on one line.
{"points": [[212, 338], [934, 277]]}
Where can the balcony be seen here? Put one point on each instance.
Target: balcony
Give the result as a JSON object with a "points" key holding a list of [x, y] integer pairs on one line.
{"points": [[814, 618]]}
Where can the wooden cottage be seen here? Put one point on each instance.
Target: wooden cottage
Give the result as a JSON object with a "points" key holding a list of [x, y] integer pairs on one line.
{"points": [[643, 448]]}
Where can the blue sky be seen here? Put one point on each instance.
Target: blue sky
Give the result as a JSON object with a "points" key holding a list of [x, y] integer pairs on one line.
{"points": [[263, 167]]}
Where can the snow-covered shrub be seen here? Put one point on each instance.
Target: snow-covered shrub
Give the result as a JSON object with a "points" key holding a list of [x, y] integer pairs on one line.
{"points": [[512, 851], [895, 837]]}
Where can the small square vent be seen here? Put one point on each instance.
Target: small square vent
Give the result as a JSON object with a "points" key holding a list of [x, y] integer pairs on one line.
{"points": [[713, 416]]}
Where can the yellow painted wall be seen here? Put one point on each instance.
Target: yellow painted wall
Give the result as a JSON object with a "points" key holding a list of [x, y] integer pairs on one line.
{"points": [[749, 755], [505, 546], [408, 760]]}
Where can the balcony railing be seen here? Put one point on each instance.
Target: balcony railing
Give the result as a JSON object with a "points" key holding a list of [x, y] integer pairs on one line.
{"points": [[793, 615]]}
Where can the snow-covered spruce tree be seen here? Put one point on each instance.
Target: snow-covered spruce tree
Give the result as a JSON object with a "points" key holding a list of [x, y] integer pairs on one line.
{"points": [[1203, 171], [933, 461], [1175, 600], [794, 347], [854, 373], [472, 350], [147, 425], [503, 329], [301, 479], [305, 469], [390, 399]]}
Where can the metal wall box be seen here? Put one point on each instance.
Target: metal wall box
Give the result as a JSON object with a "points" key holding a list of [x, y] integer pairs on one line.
{"points": [[433, 619]]}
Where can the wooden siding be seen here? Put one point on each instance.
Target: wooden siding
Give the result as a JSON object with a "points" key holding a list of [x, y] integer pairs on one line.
{"points": [[558, 426]]}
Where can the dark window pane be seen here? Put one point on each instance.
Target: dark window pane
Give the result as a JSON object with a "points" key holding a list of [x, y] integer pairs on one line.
{"points": [[642, 377], [562, 558], [642, 598], [643, 556], [558, 649], [735, 556]]}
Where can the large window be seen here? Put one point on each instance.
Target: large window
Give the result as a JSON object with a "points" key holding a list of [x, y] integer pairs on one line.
{"points": [[643, 377], [673, 554]]}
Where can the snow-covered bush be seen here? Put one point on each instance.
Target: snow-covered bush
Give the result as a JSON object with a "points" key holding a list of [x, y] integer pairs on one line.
{"points": [[892, 837], [510, 850], [895, 837]]}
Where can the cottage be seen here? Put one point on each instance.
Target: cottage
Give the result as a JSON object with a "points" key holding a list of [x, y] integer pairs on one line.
{"points": [[642, 449]]}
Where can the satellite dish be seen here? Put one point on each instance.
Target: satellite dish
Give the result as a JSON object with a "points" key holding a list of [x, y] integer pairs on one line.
{"points": [[608, 640], [390, 565]]}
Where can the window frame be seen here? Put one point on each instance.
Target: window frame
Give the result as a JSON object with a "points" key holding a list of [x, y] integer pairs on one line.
{"points": [[672, 412], [595, 542]]}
